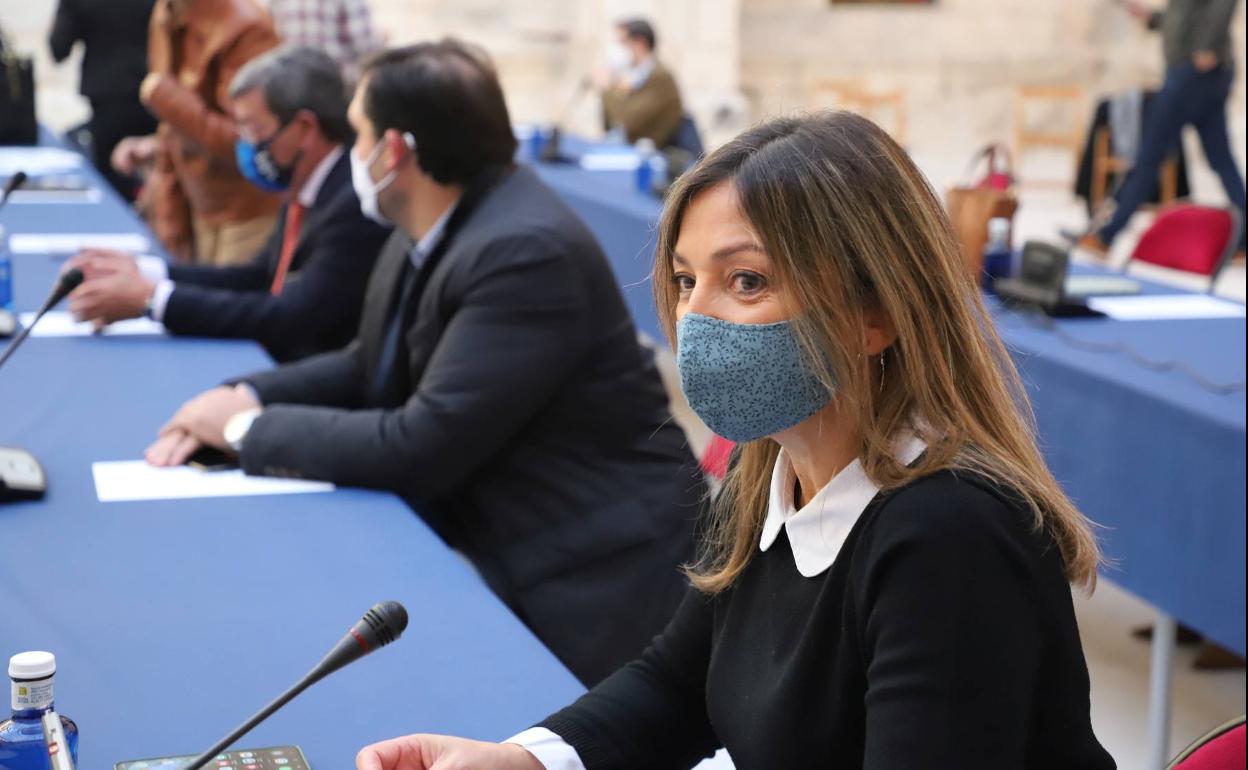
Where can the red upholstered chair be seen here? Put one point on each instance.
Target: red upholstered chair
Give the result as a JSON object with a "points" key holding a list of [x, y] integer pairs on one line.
{"points": [[1222, 749], [1190, 238], [715, 458]]}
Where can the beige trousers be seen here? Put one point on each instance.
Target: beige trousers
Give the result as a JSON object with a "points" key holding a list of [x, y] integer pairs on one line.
{"points": [[232, 243]]}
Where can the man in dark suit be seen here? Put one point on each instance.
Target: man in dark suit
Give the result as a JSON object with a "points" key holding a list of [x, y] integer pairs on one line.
{"points": [[302, 293], [114, 62], [496, 381]]}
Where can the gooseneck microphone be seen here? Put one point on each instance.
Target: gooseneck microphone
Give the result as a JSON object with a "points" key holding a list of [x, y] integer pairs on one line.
{"points": [[69, 280], [17, 180], [380, 626], [552, 149]]}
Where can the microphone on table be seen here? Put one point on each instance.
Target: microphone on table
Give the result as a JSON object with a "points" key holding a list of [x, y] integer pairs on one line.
{"points": [[21, 475], [7, 321], [17, 180], [68, 281], [550, 149], [380, 626]]}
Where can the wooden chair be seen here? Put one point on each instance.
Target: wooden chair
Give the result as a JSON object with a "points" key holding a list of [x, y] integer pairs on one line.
{"points": [[1105, 165], [1071, 99], [886, 107]]}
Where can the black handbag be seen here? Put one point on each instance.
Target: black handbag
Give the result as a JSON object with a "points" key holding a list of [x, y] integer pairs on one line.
{"points": [[17, 97]]}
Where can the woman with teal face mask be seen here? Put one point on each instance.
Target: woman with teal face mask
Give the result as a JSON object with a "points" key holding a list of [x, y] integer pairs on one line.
{"points": [[886, 574]]}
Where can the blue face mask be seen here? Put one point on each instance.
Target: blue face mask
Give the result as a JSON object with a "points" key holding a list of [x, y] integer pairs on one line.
{"points": [[746, 381], [256, 162]]}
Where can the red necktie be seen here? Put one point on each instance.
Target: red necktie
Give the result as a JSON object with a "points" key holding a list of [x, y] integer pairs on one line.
{"points": [[290, 237]]}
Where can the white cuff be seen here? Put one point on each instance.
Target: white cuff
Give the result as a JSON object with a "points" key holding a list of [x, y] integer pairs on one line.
{"points": [[549, 749], [152, 268], [160, 298]]}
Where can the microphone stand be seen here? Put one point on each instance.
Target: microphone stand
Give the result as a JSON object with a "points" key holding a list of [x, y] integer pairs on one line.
{"points": [[21, 475]]}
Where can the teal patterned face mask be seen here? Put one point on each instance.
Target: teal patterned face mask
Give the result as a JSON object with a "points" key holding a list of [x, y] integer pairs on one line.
{"points": [[746, 381]]}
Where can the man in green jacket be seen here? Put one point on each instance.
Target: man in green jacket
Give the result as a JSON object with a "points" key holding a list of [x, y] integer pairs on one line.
{"points": [[639, 94], [1199, 70]]}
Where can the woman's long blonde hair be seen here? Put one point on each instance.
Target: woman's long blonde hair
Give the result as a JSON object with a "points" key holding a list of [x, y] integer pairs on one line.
{"points": [[850, 224]]}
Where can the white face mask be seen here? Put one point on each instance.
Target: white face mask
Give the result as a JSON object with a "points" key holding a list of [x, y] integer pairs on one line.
{"points": [[366, 189], [619, 58]]}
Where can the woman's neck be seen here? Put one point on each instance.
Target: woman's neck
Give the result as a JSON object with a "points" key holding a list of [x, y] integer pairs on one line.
{"points": [[818, 448]]}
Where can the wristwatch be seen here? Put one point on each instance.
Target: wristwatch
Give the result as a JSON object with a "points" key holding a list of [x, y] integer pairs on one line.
{"points": [[236, 428]]}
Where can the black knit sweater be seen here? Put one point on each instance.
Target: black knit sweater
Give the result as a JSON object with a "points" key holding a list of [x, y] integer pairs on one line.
{"points": [[943, 636]]}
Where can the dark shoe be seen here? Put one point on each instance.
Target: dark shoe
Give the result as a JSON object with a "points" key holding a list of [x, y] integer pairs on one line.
{"points": [[1183, 636], [1214, 658]]}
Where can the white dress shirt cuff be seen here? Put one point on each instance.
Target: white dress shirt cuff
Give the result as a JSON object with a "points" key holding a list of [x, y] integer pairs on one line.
{"points": [[549, 749], [152, 268], [160, 298]]}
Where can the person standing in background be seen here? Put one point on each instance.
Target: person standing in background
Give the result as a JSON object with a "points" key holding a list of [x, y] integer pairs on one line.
{"points": [[1199, 72], [341, 28], [195, 199], [114, 62], [639, 94]]}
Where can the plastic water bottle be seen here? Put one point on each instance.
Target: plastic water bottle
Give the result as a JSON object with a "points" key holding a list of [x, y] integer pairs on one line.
{"points": [[6, 273], [651, 167], [998, 256], [21, 738]]}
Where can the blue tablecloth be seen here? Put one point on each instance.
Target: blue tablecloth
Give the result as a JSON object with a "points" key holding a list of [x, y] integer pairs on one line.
{"points": [[173, 620], [1155, 459]]}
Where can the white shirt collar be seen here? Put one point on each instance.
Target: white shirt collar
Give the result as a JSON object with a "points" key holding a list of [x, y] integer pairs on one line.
{"points": [[817, 532], [312, 187], [420, 252], [637, 75]]}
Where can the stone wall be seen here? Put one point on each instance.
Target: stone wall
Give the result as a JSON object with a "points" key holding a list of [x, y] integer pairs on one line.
{"points": [[544, 47], [957, 63]]}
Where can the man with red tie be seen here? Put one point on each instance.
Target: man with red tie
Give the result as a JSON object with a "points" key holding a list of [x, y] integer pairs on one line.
{"points": [[303, 292]]}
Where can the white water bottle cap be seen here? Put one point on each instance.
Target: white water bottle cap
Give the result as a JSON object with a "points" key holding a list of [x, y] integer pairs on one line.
{"points": [[32, 665]]}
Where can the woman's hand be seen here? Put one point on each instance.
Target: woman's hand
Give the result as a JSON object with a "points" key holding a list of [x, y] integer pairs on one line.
{"points": [[440, 752]]}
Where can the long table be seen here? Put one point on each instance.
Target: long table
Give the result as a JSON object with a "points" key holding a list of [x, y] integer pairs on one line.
{"points": [[173, 620]]}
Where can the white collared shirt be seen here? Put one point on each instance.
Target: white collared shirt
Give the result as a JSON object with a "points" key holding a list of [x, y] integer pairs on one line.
{"points": [[316, 180], [156, 269], [817, 532], [816, 535], [429, 241], [635, 77]]}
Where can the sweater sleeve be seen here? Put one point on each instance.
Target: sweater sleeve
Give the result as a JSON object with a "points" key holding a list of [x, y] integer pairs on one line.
{"points": [[186, 110], [652, 712], [944, 688], [66, 30], [1212, 28]]}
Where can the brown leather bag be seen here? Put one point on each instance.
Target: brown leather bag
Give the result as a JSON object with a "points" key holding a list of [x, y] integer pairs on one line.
{"points": [[971, 205]]}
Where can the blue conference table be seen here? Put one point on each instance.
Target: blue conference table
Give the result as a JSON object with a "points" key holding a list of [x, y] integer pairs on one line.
{"points": [[1154, 458], [174, 620]]}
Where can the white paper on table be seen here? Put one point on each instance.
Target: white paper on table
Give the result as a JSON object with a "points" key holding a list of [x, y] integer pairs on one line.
{"points": [[136, 480], [37, 160], [57, 323], [1165, 307], [55, 197], [72, 243], [611, 161]]}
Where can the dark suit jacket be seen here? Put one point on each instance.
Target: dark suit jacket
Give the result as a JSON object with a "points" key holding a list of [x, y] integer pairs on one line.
{"points": [[319, 307], [114, 33], [536, 439]]}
